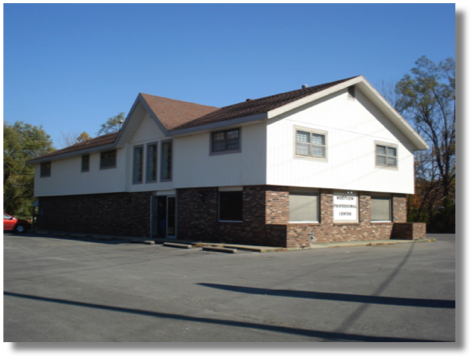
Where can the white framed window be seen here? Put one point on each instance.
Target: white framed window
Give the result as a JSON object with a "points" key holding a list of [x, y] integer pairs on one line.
{"points": [[386, 155], [310, 143]]}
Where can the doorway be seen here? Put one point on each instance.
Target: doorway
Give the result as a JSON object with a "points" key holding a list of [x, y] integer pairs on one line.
{"points": [[164, 217]]}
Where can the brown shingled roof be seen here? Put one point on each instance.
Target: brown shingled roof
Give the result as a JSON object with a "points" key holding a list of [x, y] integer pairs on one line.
{"points": [[172, 113], [95, 142], [256, 106]]}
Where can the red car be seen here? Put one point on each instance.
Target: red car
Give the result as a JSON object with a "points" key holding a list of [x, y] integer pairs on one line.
{"points": [[11, 223]]}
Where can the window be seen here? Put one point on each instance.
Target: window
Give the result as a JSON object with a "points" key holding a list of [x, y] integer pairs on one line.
{"points": [[225, 141], [85, 163], [381, 208], [386, 156], [311, 144], [166, 161], [230, 205], [303, 207], [108, 159], [151, 171], [137, 164], [45, 169]]}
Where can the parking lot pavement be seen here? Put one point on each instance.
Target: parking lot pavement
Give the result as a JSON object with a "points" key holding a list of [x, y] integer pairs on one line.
{"points": [[65, 290]]}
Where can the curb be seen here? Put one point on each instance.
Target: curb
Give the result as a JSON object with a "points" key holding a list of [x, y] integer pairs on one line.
{"points": [[178, 245], [219, 249]]}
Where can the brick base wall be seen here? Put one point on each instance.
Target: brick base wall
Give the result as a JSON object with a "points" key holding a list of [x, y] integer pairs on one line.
{"points": [[409, 231], [265, 218], [198, 217], [125, 214]]}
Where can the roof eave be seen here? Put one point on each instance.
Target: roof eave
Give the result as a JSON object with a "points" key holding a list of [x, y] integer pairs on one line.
{"points": [[401, 123], [314, 97], [81, 152], [363, 85]]}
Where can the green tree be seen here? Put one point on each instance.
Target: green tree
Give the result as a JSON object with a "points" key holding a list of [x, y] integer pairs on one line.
{"points": [[71, 138], [21, 142], [112, 125], [427, 98]]}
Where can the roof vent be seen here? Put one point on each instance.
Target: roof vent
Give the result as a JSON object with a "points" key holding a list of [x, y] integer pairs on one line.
{"points": [[249, 99], [304, 86]]}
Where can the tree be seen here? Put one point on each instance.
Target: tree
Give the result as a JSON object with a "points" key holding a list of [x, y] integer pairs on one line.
{"points": [[71, 138], [83, 137], [427, 98], [21, 142], [112, 125]]}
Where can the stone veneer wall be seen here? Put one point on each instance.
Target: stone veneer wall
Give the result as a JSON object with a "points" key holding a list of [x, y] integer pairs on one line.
{"points": [[125, 214]]}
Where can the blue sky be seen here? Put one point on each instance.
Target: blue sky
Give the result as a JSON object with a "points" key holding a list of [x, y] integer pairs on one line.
{"points": [[69, 67]]}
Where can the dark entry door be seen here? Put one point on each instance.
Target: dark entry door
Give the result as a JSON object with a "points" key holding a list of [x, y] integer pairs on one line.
{"points": [[163, 216], [171, 216]]}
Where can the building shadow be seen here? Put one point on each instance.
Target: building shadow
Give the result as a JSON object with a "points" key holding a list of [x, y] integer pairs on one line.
{"points": [[318, 335]]}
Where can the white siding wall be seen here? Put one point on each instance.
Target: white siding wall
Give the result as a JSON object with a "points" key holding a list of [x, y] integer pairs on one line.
{"points": [[67, 179], [195, 167], [266, 157], [352, 126], [148, 132]]}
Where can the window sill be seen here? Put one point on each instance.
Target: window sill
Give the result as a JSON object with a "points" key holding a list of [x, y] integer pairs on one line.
{"points": [[232, 221]]}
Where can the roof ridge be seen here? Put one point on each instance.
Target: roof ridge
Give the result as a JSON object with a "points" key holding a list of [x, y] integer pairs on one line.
{"points": [[258, 105], [176, 100]]}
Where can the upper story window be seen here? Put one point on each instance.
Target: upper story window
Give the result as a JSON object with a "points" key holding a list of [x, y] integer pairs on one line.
{"points": [[151, 169], [137, 161], [310, 143], [85, 163], [166, 161], [45, 169], [225, 141], [386, 155], [108, 159]]}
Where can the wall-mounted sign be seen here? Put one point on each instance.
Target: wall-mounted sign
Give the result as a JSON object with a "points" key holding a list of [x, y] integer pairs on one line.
{"points": [[346, 207]]}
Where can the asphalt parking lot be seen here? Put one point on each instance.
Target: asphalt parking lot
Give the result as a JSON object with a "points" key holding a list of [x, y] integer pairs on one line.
{"points": [[80, 290]]}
